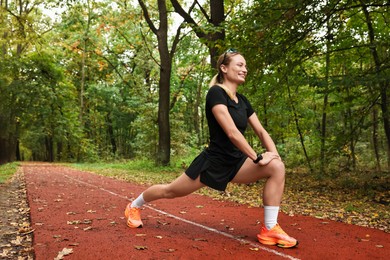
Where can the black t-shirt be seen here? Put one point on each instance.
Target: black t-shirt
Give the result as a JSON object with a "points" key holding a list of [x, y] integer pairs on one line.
{"points": [[220, 144]]}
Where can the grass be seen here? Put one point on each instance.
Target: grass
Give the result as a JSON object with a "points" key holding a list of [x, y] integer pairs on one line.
{"points": [[142, 172], [360, 198], [7, 171]]}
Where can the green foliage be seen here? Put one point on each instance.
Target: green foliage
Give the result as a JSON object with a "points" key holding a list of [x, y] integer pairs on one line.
{"points": [[7, 171], [84, 87], [287, 45]]}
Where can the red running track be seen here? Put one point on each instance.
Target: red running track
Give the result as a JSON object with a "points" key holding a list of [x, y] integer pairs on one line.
{"points": [[81, 215]]}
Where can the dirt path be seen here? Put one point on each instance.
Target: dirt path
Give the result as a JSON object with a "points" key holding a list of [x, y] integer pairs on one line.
{"points": [[81, 215]]}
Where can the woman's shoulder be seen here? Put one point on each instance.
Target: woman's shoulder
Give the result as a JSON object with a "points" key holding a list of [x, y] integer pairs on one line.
{"points": [[215, 90]]}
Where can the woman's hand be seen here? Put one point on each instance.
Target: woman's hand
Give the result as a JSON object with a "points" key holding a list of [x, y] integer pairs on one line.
{"points": [[268, 157]]}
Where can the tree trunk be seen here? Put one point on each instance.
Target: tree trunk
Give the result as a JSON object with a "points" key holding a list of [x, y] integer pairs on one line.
{"points": [[83, 63], [164, 138], [211, 39], [217, 11], [49, 149], [325, 104], [381, 83], [375, 137], [110, 131], [296, 120]]}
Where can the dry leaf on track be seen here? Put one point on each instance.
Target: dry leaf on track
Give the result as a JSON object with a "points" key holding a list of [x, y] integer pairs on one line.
{"points": [[141, 247], [64, 252]]}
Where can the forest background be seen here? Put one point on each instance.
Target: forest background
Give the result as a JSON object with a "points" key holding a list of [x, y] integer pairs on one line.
{"points": [[99, 80]]}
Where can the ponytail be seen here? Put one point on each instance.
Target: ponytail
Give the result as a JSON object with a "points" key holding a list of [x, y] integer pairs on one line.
{"points": [[215, 81]]}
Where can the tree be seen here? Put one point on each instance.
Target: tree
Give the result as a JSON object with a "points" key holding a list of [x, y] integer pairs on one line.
{"points": [[213, 33], [289, 43], [18, 34], [164, 144], [382, 82]]}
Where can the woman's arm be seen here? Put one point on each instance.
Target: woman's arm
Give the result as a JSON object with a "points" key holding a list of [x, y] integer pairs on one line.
{"points": [[225, 120], [263, 135]]}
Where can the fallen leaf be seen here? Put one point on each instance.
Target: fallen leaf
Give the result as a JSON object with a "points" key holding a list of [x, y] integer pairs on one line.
{"points": [[25, 230], [91, 211], [201, 239], [5, 252], [76, 222], [73, 222], [17, 241], [199, 206], [64, 252], [140, 235], [141, 247], [170, 250], [379, 246], [254, 249], [159, 237], [87, 228], [163, 223]]}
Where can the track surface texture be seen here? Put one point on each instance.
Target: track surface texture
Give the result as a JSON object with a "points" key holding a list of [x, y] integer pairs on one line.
{"points": [[79, 215]]}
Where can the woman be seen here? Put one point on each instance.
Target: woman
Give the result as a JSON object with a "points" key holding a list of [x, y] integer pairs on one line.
{"points": [[229, 157]]}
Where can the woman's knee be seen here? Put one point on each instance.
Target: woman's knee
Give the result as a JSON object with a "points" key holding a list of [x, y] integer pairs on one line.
{"points": [[277, 169]]}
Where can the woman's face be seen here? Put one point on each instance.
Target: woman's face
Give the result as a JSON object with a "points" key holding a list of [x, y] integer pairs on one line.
{"points": [[236, 71]]}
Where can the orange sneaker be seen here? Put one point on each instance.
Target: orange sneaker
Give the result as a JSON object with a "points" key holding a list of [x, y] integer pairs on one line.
{"points": [[133, 216], [276, 236]]}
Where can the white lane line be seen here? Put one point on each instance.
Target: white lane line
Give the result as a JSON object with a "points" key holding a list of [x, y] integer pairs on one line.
{"points": [[244, 241]]}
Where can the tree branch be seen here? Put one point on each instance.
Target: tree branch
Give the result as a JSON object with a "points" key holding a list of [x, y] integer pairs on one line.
{"points": [[147, 17]]}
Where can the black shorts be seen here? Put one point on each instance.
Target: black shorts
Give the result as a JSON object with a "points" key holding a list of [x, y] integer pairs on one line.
{"points": [[215, 172]]}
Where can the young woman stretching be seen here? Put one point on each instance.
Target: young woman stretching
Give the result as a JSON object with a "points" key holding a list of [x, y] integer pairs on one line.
{"points": [[229, 157]]}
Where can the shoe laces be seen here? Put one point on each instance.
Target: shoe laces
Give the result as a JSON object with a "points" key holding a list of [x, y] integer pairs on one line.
{"points": [[278, 229], [135, 214]]}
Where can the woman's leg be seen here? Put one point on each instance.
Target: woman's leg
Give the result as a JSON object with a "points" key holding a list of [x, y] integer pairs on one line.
{"points": [[271, 233], [180, 187], [273, 171]]}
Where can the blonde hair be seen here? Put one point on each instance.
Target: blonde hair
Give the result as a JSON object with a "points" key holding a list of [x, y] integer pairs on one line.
{"points": [[214, 82], [218, 79]]}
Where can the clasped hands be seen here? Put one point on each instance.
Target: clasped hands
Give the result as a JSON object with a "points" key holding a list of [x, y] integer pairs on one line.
{"points": [[268, 157]]}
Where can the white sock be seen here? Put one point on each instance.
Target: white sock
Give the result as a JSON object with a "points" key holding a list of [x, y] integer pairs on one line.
{"points": [[270, 216], [138, 202]]}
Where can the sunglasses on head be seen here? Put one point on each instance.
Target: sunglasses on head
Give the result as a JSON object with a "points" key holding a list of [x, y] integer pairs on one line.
{"points": [[231, 50]]}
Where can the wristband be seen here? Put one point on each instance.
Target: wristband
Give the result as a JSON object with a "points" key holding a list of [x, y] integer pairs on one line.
{"points": [[258, 159]]}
